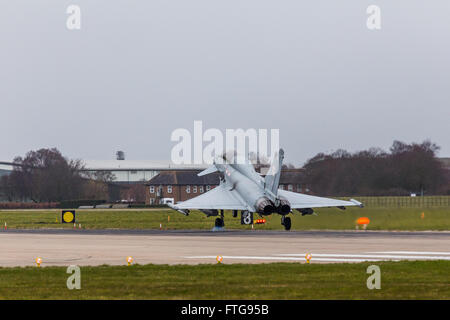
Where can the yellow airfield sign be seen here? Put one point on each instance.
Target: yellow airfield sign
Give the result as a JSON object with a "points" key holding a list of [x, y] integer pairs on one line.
{"points": [[68, 216]]}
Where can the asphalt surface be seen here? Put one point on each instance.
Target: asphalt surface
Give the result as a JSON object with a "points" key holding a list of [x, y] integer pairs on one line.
{"points": [[96, 247]]}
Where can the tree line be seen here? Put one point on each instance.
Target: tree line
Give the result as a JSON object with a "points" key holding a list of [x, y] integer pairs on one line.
{"points": [[45, 175], [404, 169]]}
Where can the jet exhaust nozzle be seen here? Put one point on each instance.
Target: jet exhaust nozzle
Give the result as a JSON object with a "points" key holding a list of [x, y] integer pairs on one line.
{"points": [[264, 206], [284, 207]]}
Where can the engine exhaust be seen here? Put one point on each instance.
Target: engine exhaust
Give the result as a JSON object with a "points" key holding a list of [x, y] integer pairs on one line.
{"points": [[284, 207], [264, 206]]}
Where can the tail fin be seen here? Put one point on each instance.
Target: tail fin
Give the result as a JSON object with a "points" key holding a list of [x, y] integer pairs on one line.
{"points": [[272, 179]]}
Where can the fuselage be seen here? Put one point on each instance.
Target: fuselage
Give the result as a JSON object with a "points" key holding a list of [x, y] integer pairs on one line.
{"points": [[244, 180]]}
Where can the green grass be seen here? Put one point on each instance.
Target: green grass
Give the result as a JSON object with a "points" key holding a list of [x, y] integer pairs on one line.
{"points": [[399, 280], [326, 218], [403, 202]]}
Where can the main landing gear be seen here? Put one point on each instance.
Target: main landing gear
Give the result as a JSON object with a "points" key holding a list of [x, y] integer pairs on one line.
{"points": [[286, 222], [220, 222]]}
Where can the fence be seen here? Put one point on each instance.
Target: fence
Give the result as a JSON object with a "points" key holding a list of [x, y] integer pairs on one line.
{"points": [[404, 202]]}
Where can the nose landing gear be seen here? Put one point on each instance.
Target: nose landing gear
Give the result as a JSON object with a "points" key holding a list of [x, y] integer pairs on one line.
{"points": [[286, 222]]}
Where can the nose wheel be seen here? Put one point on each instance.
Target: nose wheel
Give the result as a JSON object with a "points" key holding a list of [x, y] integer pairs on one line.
{"points": [[286, 222]]}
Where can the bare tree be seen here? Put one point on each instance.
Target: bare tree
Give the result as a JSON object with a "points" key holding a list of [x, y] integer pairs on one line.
{"points": [[406, 168], [45, 175]]}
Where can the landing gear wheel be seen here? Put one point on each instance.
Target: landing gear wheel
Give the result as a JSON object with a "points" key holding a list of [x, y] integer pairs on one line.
{"points": [[286, 222], [219, 223]]}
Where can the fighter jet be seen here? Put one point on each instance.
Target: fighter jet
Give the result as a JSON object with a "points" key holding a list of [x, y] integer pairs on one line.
{"points": [[242, 188]]}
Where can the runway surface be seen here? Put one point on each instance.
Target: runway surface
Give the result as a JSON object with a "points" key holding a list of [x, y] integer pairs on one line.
{"points": [[97, 247]]}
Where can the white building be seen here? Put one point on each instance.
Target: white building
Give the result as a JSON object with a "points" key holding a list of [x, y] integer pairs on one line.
{"points": [[134, 171], [5, 168]]}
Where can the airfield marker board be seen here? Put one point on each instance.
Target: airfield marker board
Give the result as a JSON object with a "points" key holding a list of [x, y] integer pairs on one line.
{"points": [[246, 217], [68, 216]]}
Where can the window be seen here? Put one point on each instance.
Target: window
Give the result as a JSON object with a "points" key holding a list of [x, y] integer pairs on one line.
{"points": [[281, 186], [208, 188], [169, 189], [188, 189], [299, 187], [152, 200], [152, 189], [194, 189], [201, 189], [133, 172], [290, 187]]}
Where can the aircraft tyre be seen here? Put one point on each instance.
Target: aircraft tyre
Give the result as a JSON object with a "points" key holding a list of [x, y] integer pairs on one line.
{"points": [[286, 222], [219, 223]]}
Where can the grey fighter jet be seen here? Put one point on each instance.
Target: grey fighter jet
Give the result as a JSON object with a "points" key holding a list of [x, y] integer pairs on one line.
{"points": [[242, 189]]}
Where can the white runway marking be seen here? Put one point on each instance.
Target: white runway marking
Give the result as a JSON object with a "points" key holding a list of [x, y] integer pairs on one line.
{"points": [[370, 256], [413, 252], [343, 257]]}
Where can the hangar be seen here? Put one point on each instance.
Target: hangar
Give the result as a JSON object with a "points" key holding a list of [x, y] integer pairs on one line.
{"points": [[134, 171], [5, 169]]}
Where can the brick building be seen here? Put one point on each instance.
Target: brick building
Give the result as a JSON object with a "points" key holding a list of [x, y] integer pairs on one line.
{"points": [[183, 185], [179, 185], [293, 180]]}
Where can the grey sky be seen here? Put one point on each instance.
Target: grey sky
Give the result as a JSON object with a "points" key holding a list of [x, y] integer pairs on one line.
{"points": [[139, 69]]}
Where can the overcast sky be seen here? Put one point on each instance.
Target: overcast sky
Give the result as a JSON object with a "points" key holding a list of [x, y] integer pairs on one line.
{"points": [[137, 70]]}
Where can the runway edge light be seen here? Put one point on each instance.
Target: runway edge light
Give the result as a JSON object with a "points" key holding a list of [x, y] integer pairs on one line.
{"points": [[130, 260], [38, 261], [219, 259], [308, 257]]}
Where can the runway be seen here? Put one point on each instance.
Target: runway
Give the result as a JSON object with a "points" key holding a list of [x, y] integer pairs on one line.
{"points": [[97, 247]]}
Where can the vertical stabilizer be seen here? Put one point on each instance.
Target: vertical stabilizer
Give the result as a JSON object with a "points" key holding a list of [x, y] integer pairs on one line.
{"points": [[272, 179]]}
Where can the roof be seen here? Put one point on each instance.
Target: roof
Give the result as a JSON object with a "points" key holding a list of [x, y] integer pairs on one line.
{"points": [[137, 165], [188, 177], [5, 168]]}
